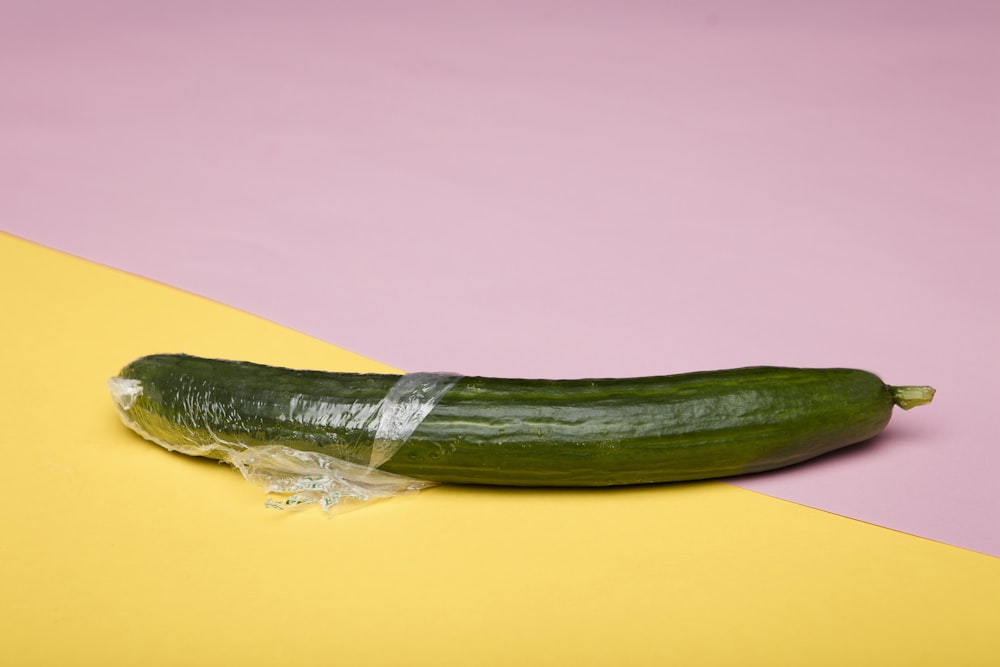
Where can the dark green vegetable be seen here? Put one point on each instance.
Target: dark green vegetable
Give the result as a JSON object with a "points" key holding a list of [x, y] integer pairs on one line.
{"points": [[525, 432]]}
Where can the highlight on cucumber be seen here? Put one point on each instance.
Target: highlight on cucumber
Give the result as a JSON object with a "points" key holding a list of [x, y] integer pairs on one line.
{"points": [[309, 436]]}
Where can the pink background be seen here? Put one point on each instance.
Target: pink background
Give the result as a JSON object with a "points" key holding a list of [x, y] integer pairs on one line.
{"points": [[556, 189]]}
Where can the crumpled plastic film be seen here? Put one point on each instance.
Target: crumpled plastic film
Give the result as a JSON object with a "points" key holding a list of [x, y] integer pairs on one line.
{"points": [[294, 478]]}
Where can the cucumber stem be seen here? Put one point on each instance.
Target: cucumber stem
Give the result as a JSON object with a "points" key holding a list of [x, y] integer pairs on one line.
{"points": [[910, 397]]}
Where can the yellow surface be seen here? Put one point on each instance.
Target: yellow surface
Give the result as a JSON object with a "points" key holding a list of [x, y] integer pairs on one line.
{"points": [[119, 553]]}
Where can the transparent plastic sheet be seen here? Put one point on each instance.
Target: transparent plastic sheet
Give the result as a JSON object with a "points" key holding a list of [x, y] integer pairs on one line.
{"points": [[294, 479]]}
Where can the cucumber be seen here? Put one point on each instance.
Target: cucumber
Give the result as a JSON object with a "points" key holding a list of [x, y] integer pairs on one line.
{"points": [[517, 432]]}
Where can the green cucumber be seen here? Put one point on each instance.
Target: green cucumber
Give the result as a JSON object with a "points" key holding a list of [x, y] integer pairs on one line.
{"points": [[519, 432]]}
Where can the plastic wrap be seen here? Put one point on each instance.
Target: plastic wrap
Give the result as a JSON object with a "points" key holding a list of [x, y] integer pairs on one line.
{"points": [[291, 477]]}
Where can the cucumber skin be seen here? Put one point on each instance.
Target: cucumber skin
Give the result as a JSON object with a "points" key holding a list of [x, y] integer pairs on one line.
{"points": [[525, 432]]}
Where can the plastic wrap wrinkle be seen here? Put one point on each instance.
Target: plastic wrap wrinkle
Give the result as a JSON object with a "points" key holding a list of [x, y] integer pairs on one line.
{"points": [[303, 478], [408, 403], [294, 478]]}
